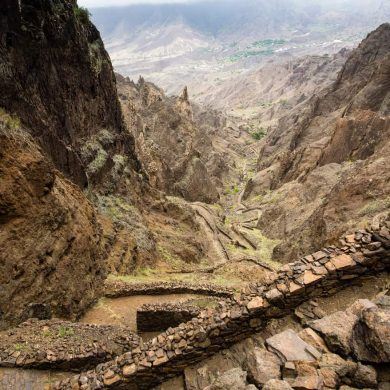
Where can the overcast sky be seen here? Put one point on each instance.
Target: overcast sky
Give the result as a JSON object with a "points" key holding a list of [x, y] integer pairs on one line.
{"points": [[103, 3]]}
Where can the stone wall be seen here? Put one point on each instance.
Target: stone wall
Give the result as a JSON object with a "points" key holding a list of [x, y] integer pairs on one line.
{"points": [[119, 288], [63, 345], [159, 317], [321, 273]]}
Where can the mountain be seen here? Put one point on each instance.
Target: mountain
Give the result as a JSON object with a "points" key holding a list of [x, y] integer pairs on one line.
{"points": [[325, 163], [125, 211], [75, 198], [170, 44], [68, 105]]}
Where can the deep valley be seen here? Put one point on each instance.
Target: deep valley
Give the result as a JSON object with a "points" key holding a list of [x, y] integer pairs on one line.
{"points": [[227, 229]]}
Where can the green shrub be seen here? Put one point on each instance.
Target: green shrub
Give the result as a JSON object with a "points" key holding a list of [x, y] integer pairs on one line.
{"points": [[82, 14], [258, 134], [19, 347], [10, 121]]}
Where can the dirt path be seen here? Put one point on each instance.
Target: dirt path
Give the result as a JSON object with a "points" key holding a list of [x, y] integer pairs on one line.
{"points": [[123, 311], [211, 230]]}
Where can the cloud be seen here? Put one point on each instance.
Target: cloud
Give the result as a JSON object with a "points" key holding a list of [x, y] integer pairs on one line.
{"points": [[106, 3]]}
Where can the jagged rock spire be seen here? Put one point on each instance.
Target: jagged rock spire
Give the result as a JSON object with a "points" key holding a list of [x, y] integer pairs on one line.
{"points": [[184, 94], [141, 80]]}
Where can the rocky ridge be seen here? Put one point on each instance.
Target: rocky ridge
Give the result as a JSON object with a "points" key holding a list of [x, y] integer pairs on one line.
{"points": [[324, 167]]}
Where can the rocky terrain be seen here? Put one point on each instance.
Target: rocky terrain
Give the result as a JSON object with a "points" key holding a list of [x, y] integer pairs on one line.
{"points": [[325, 153], [266, 93], [150, 242]]}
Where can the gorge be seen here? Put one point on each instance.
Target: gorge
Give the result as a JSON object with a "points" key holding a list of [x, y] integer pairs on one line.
{"points": [[155, 241]]}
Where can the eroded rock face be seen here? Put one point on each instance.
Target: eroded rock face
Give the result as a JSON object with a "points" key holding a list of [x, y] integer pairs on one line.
{"points": [[50, 241], [325, 163], [173, 148], [57, 78]]}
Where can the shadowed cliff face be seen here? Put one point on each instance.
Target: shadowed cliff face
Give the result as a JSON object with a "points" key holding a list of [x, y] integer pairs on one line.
{"points": [[326, 163], [50, 240], [56, 76], [57, 83]]}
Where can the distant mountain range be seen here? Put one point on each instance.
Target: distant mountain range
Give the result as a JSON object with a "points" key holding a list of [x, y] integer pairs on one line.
{"points": [[173, 43]]}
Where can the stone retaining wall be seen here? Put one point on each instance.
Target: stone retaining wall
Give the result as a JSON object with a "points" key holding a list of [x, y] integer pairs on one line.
{"points": [[63, 345], [159, 317], [321, 273], [119, 288]]}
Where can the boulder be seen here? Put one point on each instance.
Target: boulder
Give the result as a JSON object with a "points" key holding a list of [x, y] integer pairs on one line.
{"points": [[371, 336], [262, 366], [365, 376], [308, 377], [336, 363], [309, 336], [336, 329], [290, 347], [203, 374], [234, 379], [276, 384]]}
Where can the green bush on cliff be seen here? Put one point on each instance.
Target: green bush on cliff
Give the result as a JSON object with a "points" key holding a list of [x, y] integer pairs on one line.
{"points": [[258, 134], [82, 14], [12, 122]]}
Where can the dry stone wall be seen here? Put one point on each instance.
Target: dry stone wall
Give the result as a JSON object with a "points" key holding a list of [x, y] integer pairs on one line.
{"points": [[165, 356], [63, 345], [119, 288], [158, 317]]}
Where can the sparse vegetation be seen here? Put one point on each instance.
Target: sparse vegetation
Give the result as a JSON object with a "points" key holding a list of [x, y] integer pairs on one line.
{"points": [[171, 259], [11, 121], [64, 331], [82, 14], [258, 134], [232, 190], [283, 102], [19, 347], [203, 303], [96, 57], [154, 275], [375, 206]]}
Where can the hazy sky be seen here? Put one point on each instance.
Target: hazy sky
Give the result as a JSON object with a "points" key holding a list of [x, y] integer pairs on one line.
{"points": [[102, 3]]}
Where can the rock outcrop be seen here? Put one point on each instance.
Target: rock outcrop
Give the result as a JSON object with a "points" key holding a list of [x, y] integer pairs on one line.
{"points": [[173, 148], [49, 234], [57, 78]]}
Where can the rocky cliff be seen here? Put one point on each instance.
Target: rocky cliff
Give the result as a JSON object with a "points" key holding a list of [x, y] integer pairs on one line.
{"points": [[61, 130], [325, 166], [57, 78], [173, 148], [51, 260]]}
